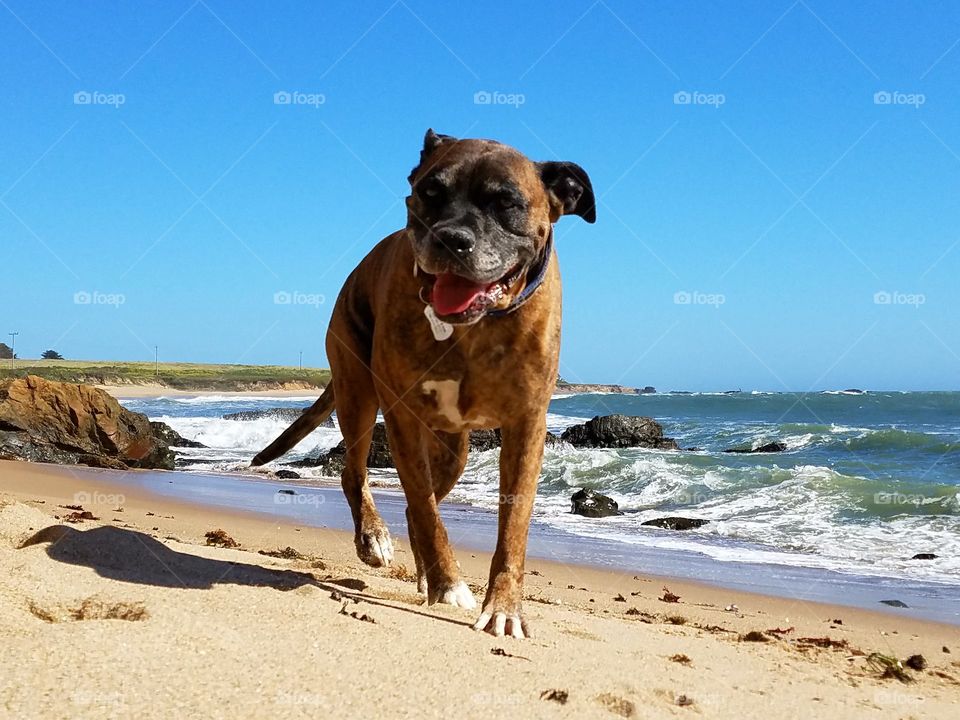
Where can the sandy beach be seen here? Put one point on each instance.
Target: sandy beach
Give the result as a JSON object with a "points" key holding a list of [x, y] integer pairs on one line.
{"points": [[133, 613], [155, 390]]}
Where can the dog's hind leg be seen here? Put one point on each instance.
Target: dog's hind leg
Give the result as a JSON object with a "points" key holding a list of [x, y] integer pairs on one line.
{"points": [[357, 413]]}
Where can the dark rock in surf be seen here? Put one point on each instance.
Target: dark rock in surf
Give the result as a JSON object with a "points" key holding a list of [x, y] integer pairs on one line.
{"points": [[894, 603], [676, 523], [287, 475], [482, 440], [280, 413], [772, 447], [924, 556], [166, 434], [619, 431], [333, 462], [592, 504]]}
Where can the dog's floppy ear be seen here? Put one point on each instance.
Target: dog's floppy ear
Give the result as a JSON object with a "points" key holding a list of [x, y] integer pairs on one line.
{"points": [[431, 141], [569, 189]]}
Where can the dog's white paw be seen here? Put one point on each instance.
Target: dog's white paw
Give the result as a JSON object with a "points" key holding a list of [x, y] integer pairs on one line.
{"points": [[459, 596], [501, 624], [375, 547], [422, 583]]}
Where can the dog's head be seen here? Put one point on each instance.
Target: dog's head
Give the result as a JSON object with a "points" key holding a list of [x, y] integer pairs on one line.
{"points": [[479, 215]]}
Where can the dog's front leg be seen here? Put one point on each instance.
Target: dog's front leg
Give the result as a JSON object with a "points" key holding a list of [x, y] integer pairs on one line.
{"points": [[520, 460]]}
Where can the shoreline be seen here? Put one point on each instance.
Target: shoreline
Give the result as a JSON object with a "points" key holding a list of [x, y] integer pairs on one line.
{"points": [[145, 606], [321, 507]]}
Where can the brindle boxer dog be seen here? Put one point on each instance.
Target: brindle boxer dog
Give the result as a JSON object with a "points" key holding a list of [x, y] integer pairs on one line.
{"points": [[450, 325]]}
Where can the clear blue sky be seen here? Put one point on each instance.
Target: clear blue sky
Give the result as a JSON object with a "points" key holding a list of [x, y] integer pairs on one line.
{"points": [[784, 188]]}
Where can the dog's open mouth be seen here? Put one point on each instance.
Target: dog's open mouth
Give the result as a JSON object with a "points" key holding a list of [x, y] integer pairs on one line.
{"points": [[456, 299]]}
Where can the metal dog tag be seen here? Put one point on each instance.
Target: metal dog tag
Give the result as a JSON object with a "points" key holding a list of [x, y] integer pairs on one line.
{"points": [[441, 330]]}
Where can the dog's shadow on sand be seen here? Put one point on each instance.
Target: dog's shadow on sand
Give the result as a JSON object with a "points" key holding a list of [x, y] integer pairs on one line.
{"points": [[135, 557]]}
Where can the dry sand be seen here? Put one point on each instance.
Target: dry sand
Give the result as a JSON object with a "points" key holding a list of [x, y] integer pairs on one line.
{"points": [[133, 615]]}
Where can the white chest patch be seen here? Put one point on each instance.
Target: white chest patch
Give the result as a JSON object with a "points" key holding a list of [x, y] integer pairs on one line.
{"points": [[447, 394]]}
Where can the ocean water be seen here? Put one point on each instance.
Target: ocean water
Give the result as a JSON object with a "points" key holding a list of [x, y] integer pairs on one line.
{"points": [[867, 480]]}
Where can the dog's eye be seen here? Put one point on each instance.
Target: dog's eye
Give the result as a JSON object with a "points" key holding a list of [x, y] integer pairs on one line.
{"points": [[506, 201], [432, 190]]}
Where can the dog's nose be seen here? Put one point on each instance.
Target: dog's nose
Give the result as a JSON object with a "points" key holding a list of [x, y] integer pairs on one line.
{"points": [[459, 241]]}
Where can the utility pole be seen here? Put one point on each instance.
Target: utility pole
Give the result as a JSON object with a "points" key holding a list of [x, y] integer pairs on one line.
{"points": [[156, 361], [13, 349]]}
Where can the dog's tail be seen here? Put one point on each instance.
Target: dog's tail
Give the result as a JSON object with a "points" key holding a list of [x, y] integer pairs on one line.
{"points": [[302, 426]]}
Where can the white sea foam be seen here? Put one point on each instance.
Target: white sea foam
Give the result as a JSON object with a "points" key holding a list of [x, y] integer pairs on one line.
{"points": [[234, 440], [238, 399], [793, 516], [558, 423]]}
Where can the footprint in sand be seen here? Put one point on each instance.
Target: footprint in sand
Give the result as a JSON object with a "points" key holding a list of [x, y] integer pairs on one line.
{"points": [[617, 705], [92, 608]]}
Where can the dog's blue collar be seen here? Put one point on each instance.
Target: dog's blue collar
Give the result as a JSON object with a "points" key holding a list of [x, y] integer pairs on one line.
{"points": [[539, 274]]}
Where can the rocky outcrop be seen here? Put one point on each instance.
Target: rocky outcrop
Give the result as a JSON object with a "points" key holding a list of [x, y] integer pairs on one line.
{"points": [[619, 431], [481, 440], [170, 437], [45, 421], [565, 388], [771, 447], [592, 504], [334, 460], [676, 523]]}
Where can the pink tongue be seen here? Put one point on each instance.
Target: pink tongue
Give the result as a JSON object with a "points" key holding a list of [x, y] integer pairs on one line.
{"points": [[453, 294]]}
